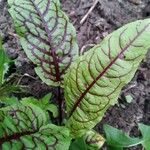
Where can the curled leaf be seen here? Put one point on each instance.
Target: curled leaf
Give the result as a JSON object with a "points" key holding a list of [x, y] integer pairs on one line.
{"points": [[94, 140], [47, 37], [25, 127], [93, 83]]}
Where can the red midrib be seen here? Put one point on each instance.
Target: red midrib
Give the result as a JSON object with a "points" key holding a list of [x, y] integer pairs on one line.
{"points": [[105, 70], [15, 136], [55, 59]]}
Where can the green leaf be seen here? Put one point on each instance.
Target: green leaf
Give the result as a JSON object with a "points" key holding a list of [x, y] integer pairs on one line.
{"points": [[78, 144], [46, 99], [118, 139], [47, 37], [43, 103], [3, 63], [49, 106], [53, 109], [146, 144], [25, 127], [93, 83], [94, 140], [9, 100], [145, 130]]}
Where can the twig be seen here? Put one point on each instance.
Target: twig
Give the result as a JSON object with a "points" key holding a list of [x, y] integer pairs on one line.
{"points": [[25, 75], [83, 49], [90, 10]]}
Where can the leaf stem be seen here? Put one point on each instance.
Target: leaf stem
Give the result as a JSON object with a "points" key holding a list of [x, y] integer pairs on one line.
{"points": [[60, 102]]}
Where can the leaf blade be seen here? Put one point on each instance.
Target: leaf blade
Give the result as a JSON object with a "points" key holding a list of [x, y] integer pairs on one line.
{"points": [[116, 138], [48, 38], [95, 80], [25, 126]]}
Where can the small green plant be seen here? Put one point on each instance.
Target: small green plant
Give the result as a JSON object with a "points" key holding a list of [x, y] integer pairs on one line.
{"points": [[117, 140], [6, 84], [45, 104], [91, 82]]}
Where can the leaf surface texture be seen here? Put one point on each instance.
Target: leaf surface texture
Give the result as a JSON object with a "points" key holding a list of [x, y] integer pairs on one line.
{"points": [[94, 82], [47, 37], [26, 127]]}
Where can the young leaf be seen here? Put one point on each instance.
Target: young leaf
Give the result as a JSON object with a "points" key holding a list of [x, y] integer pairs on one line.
{"points": [[43, 103], [117, 139], [90, 141], [46, 99], [47, 37], [94, 140], [93, 83], [25, 127]]}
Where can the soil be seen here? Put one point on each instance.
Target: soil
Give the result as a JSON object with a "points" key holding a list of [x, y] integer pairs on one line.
{"points": [[107, 16]]}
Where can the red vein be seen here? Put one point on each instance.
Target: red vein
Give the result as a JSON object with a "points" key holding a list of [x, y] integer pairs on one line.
{"points": [[16, 136], [106, 69], [49, 37]]}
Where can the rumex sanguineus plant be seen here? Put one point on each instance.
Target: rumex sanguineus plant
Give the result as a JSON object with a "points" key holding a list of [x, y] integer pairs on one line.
{"points": [[91, 82]]}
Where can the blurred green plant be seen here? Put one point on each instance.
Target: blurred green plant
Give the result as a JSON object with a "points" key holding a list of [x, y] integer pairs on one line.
{"points": [[118, 140]]}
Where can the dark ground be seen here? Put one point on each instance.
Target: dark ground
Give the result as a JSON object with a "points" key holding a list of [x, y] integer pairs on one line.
{"points": [[107, 16]]}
